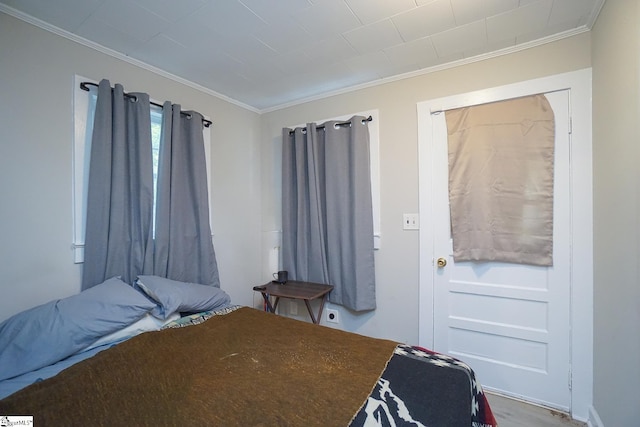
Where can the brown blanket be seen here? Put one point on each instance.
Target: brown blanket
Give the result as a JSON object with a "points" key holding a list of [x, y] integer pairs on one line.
{"points": [[245, 368]]}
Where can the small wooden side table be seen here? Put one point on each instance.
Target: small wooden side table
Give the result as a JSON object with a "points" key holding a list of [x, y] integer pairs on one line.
{"points": [[293, 289]]}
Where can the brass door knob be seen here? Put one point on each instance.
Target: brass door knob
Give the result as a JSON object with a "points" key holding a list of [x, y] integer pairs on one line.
{"points": [[441, 262]]}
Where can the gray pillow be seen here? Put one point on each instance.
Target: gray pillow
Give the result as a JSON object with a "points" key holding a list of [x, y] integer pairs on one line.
{"points": [[53, 331], [174, 296]]}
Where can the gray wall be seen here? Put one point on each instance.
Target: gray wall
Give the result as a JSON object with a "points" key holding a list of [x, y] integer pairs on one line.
{"points": [[616, 160], [397, 263], [36, 119]]}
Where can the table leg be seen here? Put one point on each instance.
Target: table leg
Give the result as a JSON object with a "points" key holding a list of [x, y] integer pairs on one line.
{"points": [[324, 298], [313, 318], [270, 308]]}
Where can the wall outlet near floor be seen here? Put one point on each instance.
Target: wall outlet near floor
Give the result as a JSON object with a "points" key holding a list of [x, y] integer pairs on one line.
{"points": [[332, 316]]}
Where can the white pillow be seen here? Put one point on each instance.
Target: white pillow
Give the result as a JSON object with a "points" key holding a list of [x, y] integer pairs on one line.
{"points": [[146, 324]]}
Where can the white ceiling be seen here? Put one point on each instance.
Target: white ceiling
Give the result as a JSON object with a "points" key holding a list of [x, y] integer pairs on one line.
{"points": [[265, 54]]}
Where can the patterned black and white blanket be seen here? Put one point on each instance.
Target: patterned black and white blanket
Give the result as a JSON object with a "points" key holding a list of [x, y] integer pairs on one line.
{"points": [[405, 394]]}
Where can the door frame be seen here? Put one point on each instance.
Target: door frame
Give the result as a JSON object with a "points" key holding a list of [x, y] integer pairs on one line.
{"points": [[581, 186]]}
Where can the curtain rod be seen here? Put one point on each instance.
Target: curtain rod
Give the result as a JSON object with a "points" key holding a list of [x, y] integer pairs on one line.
{"points": [[368, 119], [84, 86]]}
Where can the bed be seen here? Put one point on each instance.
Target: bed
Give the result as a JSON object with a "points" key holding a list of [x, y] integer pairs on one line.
{"points": [[121, 355]]}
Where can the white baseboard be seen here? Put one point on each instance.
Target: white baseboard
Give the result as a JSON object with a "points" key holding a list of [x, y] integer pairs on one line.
{"points": [[594, 419]]}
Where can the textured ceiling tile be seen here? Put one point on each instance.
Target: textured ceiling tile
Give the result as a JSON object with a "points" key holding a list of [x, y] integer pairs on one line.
{"points": [[566, 11], [154, 52], [65, 14], [157, 48], [459, 39], [293, 63], [393, 68], [334, 49], [231, 17], [339, 73], [327, 18], [267, 71], [271, 11], [369, 65], [130, 18], [416, 53], [171, 10], [526, 2], [106, 35], [219, 81], [371, 11], [193, 30], [530, 18], [423, 21], [466, 11], [285, 36], [247, 48], [373, 37]]}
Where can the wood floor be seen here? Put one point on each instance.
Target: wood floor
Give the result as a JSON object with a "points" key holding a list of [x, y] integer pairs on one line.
{"points": [[515, 413]]}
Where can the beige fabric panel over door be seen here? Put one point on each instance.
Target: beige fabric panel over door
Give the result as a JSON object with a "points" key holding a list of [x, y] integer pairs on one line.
{"points": [[501, 181]]}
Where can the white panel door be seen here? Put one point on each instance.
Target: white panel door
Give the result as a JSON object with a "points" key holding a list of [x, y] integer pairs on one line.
{"points": [[510, 322]]}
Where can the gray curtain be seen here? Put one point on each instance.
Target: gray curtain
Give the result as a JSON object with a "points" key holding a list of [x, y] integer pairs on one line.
{"points": [[184, 250], [118, 239], [327, 220]]}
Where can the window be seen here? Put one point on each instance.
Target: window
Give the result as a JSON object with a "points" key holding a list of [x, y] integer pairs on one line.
{"points": [[156, 129], [84, 103]]}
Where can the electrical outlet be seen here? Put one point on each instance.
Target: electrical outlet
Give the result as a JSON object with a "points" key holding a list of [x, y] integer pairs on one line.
{"points": [[293, 308], [411, 221], [332, 316]]}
